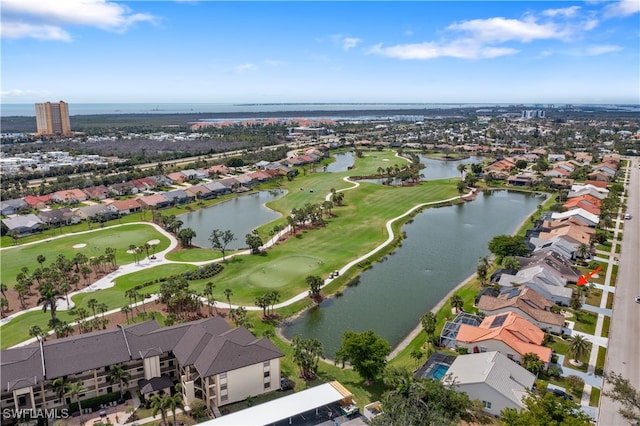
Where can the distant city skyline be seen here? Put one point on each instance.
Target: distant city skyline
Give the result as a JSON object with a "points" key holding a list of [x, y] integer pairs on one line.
{"points": [[308, 52]]}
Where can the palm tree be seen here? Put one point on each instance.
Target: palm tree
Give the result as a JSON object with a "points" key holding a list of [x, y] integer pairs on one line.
{"points": [[208, 293], [3, 288], [92, 304], [456, 302], [49, 296], [583, 251], [483, 269], [119, 375], [428, 322], [125, 310], [578, 347], [75, 389], [60, 386], [37, 332], [4, 305], [159, 404], [461, 168], [228, 293], [41, 259], [173, 402]]}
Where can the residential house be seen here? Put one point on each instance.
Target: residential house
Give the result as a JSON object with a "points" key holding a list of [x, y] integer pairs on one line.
{"points": [[144, 184], [38, 201], [589, 219], [562, 245], [200, 192], [218, 170], [96, 213], [545, 281], [561, 182], [161, 180], [552, 261], [596, 183], [23, 225], [177, 177], [232, 184], [123, 207], [507, 333], [526, 302], [178, 196], [99, 192], [503, 165], [260, 176], [557, 172], [8, 207], [73, 195], [217, 188], [492, 379], [552, 158], [600, 176], [154, 201], [584, 203], [58, 217], [122, 189], [211, 360]]}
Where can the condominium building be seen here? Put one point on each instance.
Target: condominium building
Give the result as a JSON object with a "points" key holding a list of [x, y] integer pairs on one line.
{"points": [[213, 362], [52, 118]]}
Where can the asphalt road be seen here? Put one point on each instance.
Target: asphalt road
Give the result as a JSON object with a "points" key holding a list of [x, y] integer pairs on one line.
{"points": [[623, 353]]}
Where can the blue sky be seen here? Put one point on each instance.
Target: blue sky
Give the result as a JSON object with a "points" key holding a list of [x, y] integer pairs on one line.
{"points": [[226, 52]]}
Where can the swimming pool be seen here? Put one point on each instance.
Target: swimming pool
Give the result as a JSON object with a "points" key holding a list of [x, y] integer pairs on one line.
{"points": [[437, 371]]}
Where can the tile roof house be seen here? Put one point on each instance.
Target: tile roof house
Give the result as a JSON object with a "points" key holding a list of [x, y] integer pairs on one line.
{"points": [[178, 196], [492, 379], [526, 302], [73, 195], [125, 206], [507, 333], [99, 192], [62, 216], [211, 360], [156, 201], [95, 212], [38, 201], [200, 192]]}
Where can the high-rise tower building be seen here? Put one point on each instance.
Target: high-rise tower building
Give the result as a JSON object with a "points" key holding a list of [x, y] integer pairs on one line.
{"points": [[52, 118]]}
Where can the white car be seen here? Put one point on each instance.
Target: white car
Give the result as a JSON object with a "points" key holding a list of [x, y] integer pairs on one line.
{"points": [[637, 299]]}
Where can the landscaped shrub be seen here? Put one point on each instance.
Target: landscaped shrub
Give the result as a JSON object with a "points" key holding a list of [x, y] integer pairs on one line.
{"points": [[95, 402], [198, 409], [574, 382]]}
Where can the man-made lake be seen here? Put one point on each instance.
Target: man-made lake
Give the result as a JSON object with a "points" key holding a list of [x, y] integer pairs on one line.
{"points": [[240, 215], [441, 250]]}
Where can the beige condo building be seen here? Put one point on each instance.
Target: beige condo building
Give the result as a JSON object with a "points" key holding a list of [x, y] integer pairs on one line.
{"points": [[52, 119]]}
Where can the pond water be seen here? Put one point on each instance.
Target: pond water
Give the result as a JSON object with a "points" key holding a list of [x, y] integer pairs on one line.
{"points": [[441, 250], [241, 215], [343, 161]]}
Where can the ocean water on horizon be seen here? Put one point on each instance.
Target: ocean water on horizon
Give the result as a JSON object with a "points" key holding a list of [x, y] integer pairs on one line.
{"points": [[10, 110]]}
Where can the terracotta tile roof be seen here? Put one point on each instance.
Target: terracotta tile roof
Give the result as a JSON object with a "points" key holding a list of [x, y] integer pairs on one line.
{"points": [[511, 329]]}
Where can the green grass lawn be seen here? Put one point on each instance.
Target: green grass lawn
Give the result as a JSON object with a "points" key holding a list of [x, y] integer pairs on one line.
{"points": [[15, 258], [594, 399], [585, 322], [194, 254]]}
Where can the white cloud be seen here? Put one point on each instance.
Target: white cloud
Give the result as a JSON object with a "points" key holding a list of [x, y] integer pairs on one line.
{"points": [[464, 49], [54, 14], [344, 41], [20, 93], [602, 49], [350, 42], [39, 32], [567, 11], [503, 29], [244, 68], [622, 8]]}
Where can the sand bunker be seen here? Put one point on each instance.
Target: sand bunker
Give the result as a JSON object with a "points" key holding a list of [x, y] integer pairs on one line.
{"points": [[81, 245], [153, 242]]}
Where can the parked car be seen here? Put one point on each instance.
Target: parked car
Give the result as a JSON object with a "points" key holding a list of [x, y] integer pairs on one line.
{"points": [[637, 299]]}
